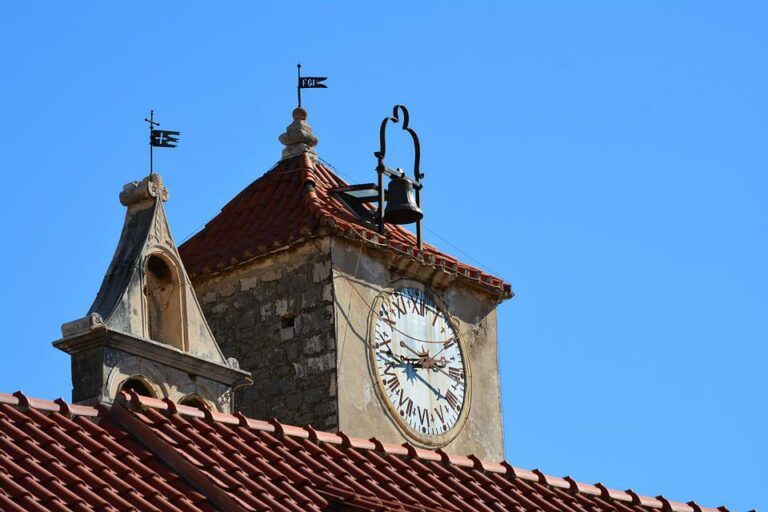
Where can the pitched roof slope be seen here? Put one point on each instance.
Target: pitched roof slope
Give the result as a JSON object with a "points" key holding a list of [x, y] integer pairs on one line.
{"points": [[56, 456], [294, 202]]}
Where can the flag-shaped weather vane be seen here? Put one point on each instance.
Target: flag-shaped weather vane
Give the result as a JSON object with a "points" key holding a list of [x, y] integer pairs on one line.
{"points": [[309, 82], [159, 139]]}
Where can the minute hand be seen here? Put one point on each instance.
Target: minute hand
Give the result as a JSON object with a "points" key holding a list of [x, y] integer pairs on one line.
{"points": [[402, 344]]}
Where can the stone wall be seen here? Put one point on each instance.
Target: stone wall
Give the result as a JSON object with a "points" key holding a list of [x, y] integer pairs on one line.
{"points": [[276, 316]]}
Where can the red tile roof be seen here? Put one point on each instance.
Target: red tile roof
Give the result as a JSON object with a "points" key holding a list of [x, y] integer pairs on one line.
{"points": [[150, 454], [293, 202], [56, 456]]}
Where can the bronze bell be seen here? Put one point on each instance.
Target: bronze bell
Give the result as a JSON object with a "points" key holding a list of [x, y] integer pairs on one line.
{"points": [[401, 202]]}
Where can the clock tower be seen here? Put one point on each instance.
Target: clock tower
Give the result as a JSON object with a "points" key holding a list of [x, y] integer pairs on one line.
{"points": [[345, 324]]}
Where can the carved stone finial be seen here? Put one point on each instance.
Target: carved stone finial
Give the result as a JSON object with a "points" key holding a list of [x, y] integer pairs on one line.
{"points": [[298, 137], [147, 189]]}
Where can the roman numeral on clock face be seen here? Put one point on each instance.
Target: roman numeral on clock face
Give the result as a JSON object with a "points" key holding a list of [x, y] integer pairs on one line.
{"points": [[423, 416], [451, 399], [457, 374], [400, 305], [402, 399], [418, 306], [384, 314], [384, 342]]}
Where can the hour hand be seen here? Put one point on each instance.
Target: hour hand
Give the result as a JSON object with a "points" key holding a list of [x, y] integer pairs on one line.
{"points": [[415, 361]]}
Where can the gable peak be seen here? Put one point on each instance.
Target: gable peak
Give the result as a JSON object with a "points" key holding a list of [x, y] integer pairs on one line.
{"points": [[145, 329]]}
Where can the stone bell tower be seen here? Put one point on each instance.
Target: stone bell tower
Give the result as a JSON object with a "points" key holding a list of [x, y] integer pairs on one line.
{"points": [[293, 274], [145, 330]]}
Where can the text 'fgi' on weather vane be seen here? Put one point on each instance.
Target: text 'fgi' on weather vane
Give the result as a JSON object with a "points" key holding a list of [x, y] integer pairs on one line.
{"points": [[309, 82]]}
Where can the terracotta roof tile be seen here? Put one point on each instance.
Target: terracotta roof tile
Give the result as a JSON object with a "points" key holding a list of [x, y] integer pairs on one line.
{"points": [[53, 458], [293, 202]]}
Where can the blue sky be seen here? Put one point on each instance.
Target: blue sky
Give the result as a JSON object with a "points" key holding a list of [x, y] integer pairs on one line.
{"points": [[607, 158]]}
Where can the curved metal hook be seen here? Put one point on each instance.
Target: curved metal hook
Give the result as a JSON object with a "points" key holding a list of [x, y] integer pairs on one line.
{"points": [[395, 118]]}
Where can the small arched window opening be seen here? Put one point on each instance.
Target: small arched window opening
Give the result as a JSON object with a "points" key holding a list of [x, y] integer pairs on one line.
{"points": [[138, 386], [194, 401], [163, 294]]}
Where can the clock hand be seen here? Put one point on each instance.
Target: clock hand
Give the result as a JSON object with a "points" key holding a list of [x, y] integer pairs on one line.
{"points": [[444, 372], [444, 347], [424, 359], [393, 360], [402, 344], [430, 386]]}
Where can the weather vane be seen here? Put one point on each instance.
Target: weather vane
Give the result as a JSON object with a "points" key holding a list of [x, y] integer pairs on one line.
{"points": [[309, 82], [159, 139]]}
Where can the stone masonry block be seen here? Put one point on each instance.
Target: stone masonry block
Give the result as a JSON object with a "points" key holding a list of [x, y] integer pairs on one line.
{"points": [[272, 274], [248, 283], [314, 345], [321, 271], [315, 365], [228, 290]]}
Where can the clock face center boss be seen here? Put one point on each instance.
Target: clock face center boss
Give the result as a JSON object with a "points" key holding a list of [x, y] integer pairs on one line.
{"points": [[418, 360]]}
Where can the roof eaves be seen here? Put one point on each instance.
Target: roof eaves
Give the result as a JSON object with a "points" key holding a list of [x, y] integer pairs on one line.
{"points": [[474, 276]]}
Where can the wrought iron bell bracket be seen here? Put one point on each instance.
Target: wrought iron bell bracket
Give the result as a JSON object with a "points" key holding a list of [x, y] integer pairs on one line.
{"points": [[404, 210], [382, 169]]}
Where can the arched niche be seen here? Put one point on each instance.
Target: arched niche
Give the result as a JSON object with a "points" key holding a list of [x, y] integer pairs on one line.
{"points": [[195, 400], [163, 294], [138, 385]]}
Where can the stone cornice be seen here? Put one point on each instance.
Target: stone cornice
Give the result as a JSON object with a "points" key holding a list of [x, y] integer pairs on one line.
{"points": [[102, 336]]}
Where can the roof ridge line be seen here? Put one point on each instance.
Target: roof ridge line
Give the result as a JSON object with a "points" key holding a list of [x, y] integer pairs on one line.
{"points": [[61, 406], [409, 450]]}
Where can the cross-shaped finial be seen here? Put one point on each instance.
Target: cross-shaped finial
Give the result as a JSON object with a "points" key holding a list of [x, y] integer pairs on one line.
{"points": [[151, 120]]}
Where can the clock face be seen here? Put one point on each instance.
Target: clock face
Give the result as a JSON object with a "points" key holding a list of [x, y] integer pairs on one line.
{"points": [[418, 359]]}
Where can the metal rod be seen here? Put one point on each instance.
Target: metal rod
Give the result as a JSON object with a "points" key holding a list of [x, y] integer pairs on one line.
{"points": [[151, 147], [152, 125], [418, 234], [380, 171], [298, 83]]}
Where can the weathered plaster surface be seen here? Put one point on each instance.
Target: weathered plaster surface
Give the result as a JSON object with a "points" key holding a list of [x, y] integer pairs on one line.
{"points": [[360, 277]]}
